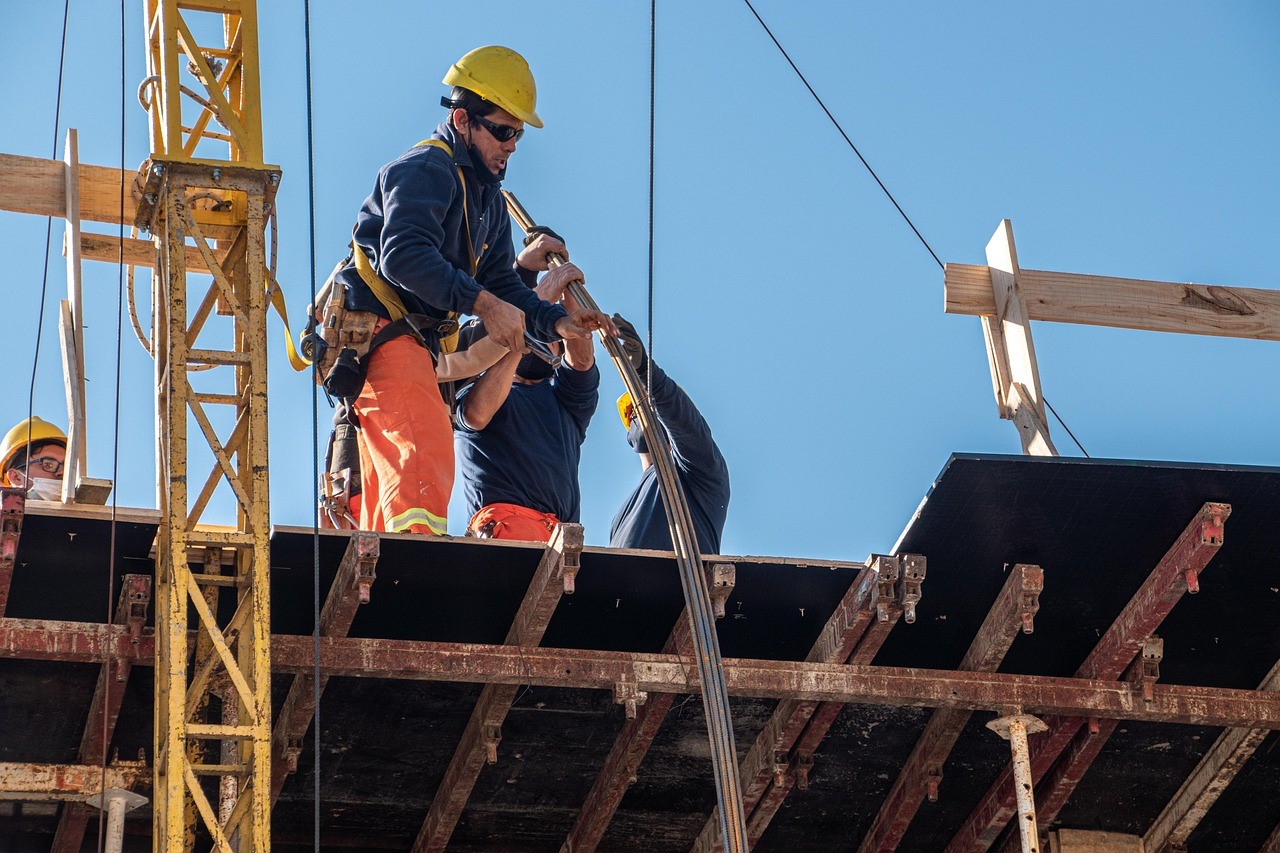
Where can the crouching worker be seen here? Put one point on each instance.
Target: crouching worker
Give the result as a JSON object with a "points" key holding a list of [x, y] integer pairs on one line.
{"points": [[431, 242], [32, 456], [642, 521], [519, 433]]}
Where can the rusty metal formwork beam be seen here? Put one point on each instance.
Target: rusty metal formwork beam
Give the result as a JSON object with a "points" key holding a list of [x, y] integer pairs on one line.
{"points": [[1272, 844], [1062, 777], [638, 730], [1012, 613], [898, 589], [770, 755], [625, 756], [350, 589], [104, 709], [1177, 573], [1219, 766], [13, 504], [68, 782], [479, 744], [762, 679]]}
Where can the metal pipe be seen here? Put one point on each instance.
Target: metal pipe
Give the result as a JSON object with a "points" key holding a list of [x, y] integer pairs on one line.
{"points": [[706, 646], [1014, 728], [119, 802]]}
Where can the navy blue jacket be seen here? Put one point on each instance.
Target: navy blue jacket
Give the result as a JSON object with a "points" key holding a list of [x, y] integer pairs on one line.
{"points": [[413, 231], [528, 454], [642, 521]]}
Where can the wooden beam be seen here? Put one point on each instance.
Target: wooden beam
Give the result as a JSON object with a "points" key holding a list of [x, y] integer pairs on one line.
{"points": [[479, 743], [38, 186], [1124, 303], [1010, 350], [71, 328], [1206, 783]]}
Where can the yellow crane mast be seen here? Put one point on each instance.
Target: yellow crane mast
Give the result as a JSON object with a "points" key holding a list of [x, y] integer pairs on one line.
{"points": [[207, 215]]}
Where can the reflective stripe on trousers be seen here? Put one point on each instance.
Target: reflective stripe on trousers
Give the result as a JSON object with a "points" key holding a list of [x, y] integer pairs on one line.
{"points": [[406, 442]]}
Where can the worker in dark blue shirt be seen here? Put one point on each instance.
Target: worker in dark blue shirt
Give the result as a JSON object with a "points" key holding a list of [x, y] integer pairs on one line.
{"points": [[642, 521], [519, 430]]}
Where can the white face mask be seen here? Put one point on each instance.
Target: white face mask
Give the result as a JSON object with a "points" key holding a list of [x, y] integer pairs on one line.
{"points": [[44, 489]]}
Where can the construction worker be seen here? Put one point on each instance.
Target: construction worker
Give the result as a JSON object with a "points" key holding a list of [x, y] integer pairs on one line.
{"points": [[642, 521], [431, 242], [32, 457], [519, 433]]}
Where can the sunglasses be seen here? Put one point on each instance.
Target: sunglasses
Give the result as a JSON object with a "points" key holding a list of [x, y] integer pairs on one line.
{"points": [[500, 132], [47, 464]]}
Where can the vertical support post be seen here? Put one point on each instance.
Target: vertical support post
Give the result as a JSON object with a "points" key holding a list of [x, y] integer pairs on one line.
{"points": [[118, 803], [1010, 350], [1014, 728]]}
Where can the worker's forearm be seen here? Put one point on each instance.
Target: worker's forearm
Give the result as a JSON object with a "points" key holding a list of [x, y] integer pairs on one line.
{"points": [[489, 393], [580, 353]]}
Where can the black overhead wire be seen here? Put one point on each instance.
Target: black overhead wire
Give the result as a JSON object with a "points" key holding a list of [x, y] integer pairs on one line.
{"points": [[48, 229], [315, 445], [107, 679], [653, 44], [870, 170]]}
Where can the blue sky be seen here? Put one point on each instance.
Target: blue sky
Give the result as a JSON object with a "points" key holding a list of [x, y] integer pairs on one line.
{"points": [[792, 303]]}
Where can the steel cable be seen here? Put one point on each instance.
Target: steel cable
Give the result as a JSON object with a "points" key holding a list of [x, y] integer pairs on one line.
{"points": [[715, 700]]}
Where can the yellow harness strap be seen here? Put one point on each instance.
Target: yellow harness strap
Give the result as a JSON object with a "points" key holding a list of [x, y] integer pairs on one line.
{"points": [[385, 293], [296, 359]]}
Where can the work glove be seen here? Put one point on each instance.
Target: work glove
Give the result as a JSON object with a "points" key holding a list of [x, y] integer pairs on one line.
{"points": [[540, 229], [632, 346]]}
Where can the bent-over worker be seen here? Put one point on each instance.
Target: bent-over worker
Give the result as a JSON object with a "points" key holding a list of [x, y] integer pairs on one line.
{"points": [[642, 521]]}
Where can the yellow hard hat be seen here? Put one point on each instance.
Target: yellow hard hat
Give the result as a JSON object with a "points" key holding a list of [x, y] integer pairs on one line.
{"points": [[28, 431], [626, 410], [500, 76]]}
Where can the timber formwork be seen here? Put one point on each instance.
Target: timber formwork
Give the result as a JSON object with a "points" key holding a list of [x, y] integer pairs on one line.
{"points": [[492, 696]]}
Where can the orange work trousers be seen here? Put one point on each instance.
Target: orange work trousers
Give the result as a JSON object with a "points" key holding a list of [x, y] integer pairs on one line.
{"points": [[510, 521], [406, 443]]}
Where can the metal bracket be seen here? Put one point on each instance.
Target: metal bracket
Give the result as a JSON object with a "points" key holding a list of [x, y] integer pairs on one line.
{"points": [[568, 539], [368, 550], [135, 601], [1147, 670], [492, 736], [932, 780], [781, 766], [1032, 586], [803, 764], [629, 696], [723, 577], [13, 504], [912, 569], [886, 569]]}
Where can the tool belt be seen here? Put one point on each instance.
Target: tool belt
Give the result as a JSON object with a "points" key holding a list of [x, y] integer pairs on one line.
{"points": [[338, 341]]}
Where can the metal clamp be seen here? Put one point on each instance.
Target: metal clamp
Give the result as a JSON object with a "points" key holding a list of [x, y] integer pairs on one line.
{"points": [[886, 569], [723, 577], [912, 569], [492, 736], [630, 697]]}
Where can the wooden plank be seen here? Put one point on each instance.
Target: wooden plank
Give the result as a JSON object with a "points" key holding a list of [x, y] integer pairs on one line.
{"points": [[38, 186], [1011, 349], [137, 252], [1206, 783], [1124, 303], [73, 385], [73, 356]]}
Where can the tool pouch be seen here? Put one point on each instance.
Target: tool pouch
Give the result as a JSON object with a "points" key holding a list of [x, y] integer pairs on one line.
{"points": [[338, 340]]}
